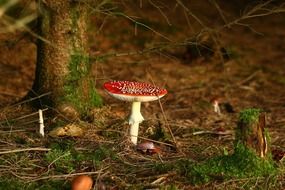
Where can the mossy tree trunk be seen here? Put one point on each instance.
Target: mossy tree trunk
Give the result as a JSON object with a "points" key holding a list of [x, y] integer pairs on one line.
{"points": [[251, 131], [63, 66]]}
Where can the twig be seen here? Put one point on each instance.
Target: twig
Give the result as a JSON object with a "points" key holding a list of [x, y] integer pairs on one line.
{"points": [[58, 158], [164, 117], [10, 94], [190, 13], [23, 117], [252, 13], [6, 6], [161, 12], [227, 132], [31, 99], [14, 131], [25, 150], [219, 10], [157, 142], [167, 124], [57, 176], [249, 78]]}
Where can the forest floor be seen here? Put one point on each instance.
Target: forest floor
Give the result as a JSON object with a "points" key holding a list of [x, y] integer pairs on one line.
{"points": [[250, 74]]}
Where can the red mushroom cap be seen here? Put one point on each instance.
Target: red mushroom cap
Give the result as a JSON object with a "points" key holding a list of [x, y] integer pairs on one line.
{"points": [[134, 91]]}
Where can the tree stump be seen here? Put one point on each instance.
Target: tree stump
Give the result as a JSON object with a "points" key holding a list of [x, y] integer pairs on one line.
{"points": [[250, 131]]}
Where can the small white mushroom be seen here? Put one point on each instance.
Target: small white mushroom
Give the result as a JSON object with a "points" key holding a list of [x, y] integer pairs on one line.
{"points": [[135, 92], [215, 102], [41, 122]]}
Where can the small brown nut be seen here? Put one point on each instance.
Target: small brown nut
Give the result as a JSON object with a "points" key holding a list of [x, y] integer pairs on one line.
{"points": [[82, 182]]}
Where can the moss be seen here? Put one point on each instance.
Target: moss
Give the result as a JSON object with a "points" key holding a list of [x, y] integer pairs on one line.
{"points": [[65, 158], [79, 88], [62, 160], [16, 184], [242, 164], [249, 116]]}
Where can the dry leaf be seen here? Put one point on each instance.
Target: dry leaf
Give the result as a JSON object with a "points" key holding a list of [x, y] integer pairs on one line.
{"points": [[70, 130]]}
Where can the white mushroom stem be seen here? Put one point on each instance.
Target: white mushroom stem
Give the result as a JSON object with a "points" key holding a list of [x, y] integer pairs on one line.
{"points": [[217, 107], [135, 119], [41, 122]]}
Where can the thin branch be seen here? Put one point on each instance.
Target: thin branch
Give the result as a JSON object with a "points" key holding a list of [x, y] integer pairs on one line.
{"points": [[25, 116], [253, 13], [31, 99], [113, 13], [164, 116], [25, 150], [219, 10], [6, 6], [156, 49], [57, 176], [161, 12], [190, 13], [13, 25], [142, 24]]}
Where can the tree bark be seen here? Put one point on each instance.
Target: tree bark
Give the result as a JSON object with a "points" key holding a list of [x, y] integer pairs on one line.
{"points": [[63, 66]]}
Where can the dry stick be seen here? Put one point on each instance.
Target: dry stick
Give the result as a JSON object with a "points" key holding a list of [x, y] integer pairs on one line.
{"points": [[252, 13], [14, 131], [143, 25], [31, 99], [219, 10], [98, 176], [113, 13], [25, 150], [6, 6], [227, 132], [250, 77], [164, 116], [25, 116], [13, 25], [167, 124], [10, 94], [158, 142], [58, 158], [161, 12], [56, 176], [190, 13]]}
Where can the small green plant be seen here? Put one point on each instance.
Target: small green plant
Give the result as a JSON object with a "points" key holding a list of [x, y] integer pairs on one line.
{"points": [[250, 115], [61, 159]]}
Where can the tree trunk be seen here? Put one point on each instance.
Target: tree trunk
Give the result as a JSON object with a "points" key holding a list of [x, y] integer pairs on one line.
{"points": [[251, 133], [63, 66]]}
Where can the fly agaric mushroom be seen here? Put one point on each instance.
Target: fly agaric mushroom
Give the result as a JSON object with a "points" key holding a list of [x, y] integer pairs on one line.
{"points": [[135, 92]]}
